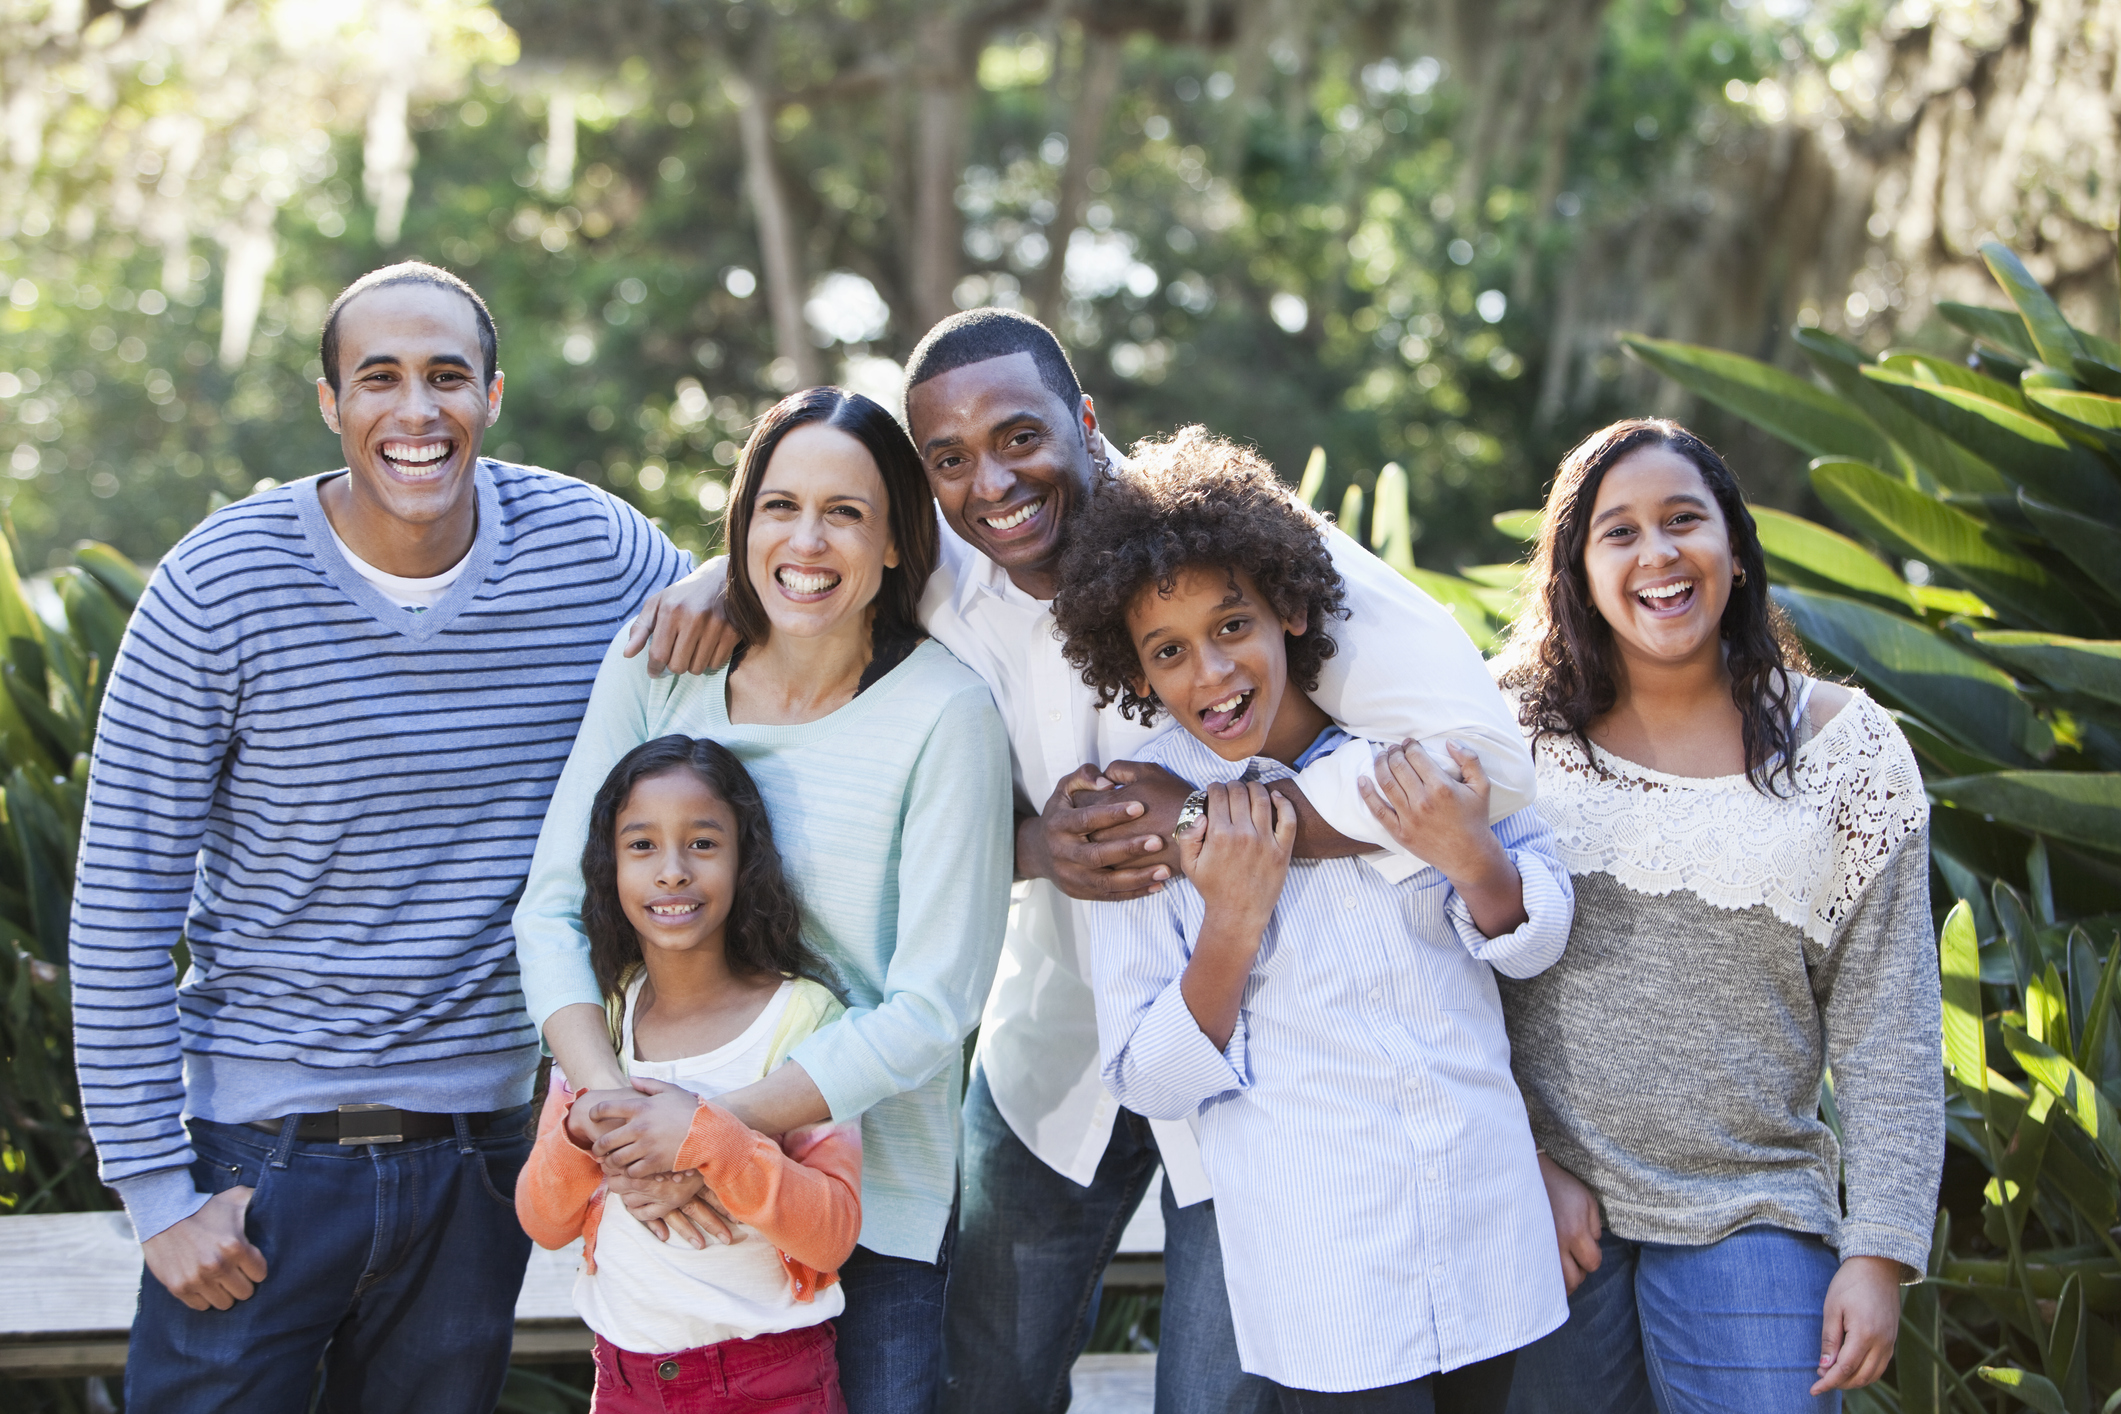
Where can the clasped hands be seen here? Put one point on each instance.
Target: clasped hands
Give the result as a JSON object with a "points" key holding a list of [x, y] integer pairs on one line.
{"points": [[636, 1134]]}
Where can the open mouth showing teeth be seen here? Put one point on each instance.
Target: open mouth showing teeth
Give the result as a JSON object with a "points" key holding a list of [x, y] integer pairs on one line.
{"points": [[673, 910], [1221, 716], [802, 582], [1015, 518], [1668, 596], [417, 460]]}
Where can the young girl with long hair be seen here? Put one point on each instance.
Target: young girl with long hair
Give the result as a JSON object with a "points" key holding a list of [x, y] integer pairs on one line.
{"points": [[697, 940], [1749, 847]]}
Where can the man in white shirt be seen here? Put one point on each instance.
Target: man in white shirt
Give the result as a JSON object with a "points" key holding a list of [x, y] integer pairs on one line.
{"points": [[1053, 1168]]}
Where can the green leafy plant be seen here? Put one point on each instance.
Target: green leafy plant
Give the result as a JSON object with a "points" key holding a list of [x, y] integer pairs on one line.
{"points": [[1975, 590]]}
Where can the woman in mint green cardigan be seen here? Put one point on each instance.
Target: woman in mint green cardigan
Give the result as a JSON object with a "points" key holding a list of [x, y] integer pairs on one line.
{"points": [[886, 771]]}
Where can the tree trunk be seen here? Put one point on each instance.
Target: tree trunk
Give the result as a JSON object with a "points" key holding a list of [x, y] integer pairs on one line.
{"points": [[778, 250], [1086, 126], [939, 119]]}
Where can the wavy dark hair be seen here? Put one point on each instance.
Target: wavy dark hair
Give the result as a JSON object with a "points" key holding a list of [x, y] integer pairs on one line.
{"points": [[764, 935], [1190, 501], [909, 505], [1561, 654]]}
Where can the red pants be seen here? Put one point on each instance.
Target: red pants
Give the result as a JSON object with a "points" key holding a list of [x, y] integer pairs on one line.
{"points": [[790, 1372]]}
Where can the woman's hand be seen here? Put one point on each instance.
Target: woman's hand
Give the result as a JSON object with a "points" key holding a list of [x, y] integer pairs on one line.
{"points": [[1862, 1322], [1576, 1223], [675, 1204], [639, 1135]]}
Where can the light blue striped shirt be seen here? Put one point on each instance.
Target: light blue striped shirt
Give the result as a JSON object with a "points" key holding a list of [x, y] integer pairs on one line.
{"points": [[1376, 1185]]}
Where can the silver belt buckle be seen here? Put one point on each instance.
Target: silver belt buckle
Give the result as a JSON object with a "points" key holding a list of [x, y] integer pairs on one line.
{"points": [[368, 1138]]}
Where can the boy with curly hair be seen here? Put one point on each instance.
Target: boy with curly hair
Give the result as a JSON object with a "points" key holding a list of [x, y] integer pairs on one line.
{"points": [[1336, 1037]]}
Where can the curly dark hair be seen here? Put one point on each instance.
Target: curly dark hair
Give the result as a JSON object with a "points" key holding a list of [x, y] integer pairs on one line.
{"points": [[1561, 655], [1190, 501], [764, 935]]}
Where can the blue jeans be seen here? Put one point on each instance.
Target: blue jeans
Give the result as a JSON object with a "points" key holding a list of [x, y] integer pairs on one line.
{"points": [[396, 1266], [891, 1334], [1730, 1328], [1031, 1258]]}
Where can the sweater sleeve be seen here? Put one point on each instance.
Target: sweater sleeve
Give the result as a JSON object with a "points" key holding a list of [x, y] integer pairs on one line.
{"points": [[957, 854], [559, 1181], [551, 947], [805, 1198], [167, 726], [1877, 992]]}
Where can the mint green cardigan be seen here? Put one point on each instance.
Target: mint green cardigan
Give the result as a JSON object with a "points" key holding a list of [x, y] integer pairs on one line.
{"points": [[893, 817]]}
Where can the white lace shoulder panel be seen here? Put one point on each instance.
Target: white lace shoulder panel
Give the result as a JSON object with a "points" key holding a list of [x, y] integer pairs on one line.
{"points": [[1807, 857]]}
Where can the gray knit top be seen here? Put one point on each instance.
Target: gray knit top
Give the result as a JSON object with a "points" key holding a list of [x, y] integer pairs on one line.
{"points": [[1729, 948]]}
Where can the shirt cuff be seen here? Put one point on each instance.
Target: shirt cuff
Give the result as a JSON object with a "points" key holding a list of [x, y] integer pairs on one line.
{"points": [[1533, 945], [1179, 1061], [159, 1201], [1909, 1249]]}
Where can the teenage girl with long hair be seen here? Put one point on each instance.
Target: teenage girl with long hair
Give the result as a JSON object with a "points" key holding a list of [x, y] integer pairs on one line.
{"points": [[1750, 851], [697, 940]]}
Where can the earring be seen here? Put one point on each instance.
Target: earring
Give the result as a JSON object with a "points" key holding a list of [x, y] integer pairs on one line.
{"points": [[1739, 578], [1098, 460]]}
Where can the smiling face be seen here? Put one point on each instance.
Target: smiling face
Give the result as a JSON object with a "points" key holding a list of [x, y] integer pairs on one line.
{"points": [[1008, 460], [1212, 651], [412, 404], [1658, 558], [677, 862], [820, 536]]}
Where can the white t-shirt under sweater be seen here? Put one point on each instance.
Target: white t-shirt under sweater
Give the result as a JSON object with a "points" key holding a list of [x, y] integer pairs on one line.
{"points": [[654, 1297], [414, 594]]}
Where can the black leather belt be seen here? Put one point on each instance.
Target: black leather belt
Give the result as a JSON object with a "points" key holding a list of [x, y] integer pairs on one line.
{"points": [[376, 1124]]}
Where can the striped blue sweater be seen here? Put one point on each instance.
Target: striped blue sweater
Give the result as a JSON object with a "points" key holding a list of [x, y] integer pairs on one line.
{"points": [[333, 799]]}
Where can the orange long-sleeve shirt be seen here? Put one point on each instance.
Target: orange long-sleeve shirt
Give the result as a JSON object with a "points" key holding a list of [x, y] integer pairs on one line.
{"points": [[802, 1194]]}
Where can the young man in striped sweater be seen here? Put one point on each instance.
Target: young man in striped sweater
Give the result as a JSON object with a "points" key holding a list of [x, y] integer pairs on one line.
{"points": [[325, 751]]}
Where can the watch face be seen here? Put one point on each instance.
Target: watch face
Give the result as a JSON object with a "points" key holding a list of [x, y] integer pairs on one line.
{"points": [[1192, 811]]}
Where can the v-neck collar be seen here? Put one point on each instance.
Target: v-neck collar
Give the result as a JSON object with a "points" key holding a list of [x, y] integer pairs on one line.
{"points": [[424, 625]]}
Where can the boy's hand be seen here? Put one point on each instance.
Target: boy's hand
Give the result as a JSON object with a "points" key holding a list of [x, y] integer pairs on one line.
{"points": [[1442, 820], [1861, 1323], [206, 1260], [1576, 1224], [1237, 854], [651, 1128], [583, 1126], [675, 1205]]}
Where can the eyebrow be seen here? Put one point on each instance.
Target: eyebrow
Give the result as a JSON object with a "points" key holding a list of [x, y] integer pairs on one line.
{"points": [[707, 823], [1683, 498], [390, 359], [765, 491], [1023, 415]]}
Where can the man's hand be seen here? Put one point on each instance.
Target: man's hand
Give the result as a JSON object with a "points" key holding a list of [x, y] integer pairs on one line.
{"points": [[1576, 1223], [675, 1205], [1160, 793], [206, 1260], [587, 1120], [1057, 845], [1862, 1321], [682, 625], [651, 1128]]}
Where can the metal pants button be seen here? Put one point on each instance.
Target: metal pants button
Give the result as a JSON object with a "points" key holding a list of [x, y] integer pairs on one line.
{"points": [[668, 1369]]}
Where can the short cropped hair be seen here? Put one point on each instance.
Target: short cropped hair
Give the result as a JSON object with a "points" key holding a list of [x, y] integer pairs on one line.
{"points": [[409, 272], [1191, 501], [980, 334]]}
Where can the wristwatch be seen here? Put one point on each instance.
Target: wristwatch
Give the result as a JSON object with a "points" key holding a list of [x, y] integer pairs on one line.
{"points": [[1192, 812]]}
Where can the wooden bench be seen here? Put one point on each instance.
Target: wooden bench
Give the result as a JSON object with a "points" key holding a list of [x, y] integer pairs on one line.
{"points": [[69, 1283]]}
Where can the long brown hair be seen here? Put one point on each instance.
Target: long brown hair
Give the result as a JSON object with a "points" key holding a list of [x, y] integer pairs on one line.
{"points": [[1561, 653], [910, 507]]}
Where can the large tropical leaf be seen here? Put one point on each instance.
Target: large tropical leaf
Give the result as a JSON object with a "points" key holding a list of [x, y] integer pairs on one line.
{"points": [[2089, 666], [1928, 368], [1950, 540], [2022, 447], [113, 571], [1965, 699], [1811, 550], [2084, 1101], [1944, 461], [2005, 328], [2053, 339], [2093, 546], [1800, 413], [2098, 414], [1965, 1043], [2083, 806]]}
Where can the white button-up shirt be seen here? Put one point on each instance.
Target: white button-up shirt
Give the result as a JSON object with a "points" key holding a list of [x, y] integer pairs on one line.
{"points": [[1403, 668], [1368, 1147]]}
